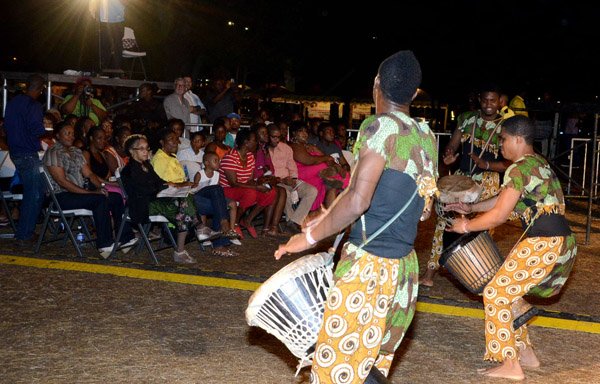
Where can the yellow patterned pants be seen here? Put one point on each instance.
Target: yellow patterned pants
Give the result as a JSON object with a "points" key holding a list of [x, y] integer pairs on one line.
{"points": [[535, 261], [367, 314], [490, 183]]}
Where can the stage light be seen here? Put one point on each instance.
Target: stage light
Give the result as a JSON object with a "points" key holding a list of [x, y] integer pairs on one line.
{"points": [[230, 23]]}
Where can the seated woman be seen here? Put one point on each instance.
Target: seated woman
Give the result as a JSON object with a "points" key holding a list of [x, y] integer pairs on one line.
{"points": [[143, 184], [82, 127], [265, 174], [217, 145], [116, 157], [238, 182], [168, 168], [68, 168], [313, 165]]}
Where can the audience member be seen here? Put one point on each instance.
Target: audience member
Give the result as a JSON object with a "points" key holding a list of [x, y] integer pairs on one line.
{"points": [[176, 106], [82, 103], [68, 169], [24, 126]]}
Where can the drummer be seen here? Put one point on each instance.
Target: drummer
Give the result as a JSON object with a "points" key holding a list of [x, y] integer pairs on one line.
{"points": [[539, 264], [374, 298], [475, 131]]}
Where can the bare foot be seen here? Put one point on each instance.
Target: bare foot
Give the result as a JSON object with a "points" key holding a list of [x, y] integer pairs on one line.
{"points": [[427, 279], [509, 369], [528, 358]]}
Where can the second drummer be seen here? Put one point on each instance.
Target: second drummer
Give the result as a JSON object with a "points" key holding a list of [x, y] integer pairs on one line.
{"points": [[474, 131], [539, 264]]}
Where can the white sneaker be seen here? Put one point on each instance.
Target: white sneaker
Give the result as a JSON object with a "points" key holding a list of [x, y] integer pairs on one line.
{"points": [[235, 241], [128, 245], [205, 233], [183, 257], [106, 251]]}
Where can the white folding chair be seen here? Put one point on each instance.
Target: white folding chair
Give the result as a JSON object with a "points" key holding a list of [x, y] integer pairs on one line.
{"points": [[64, 220], [8, 200], [144, 230], [132, 51]]}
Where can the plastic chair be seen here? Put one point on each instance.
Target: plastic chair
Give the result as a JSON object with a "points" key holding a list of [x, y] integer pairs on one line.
{"points": [[144, 229], [132, 51], [65, 220]]}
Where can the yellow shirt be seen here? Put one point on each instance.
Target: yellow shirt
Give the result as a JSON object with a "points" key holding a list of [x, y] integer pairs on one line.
{"points": [[517, 104], [167, 167]]}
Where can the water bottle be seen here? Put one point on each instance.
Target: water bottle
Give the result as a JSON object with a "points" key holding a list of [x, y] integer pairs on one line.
{"points": [[187, 175], [80, 237]]}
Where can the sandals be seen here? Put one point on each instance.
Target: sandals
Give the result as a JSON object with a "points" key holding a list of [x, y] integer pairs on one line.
{"points": [[251, 230], [238, 231], [231, 234], [224, 253]]}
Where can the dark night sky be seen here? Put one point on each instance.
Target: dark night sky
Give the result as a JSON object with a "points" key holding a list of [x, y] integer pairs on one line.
{"points": [[331, 48]]}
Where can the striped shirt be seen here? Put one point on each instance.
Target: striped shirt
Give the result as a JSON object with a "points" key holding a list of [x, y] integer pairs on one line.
{"points": [[232, 162]]}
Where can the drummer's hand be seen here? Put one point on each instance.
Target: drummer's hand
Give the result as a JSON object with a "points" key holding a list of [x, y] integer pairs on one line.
{"points": [[450, 157], [478, 161], [297, 243], [460, 207], [458, 225]]}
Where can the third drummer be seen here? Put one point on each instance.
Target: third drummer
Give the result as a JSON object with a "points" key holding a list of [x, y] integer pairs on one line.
{"points": [[475, 130], [541, 261]]}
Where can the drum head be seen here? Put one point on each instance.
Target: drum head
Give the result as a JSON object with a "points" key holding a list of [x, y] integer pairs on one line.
{"points": [[458, 188], [285, 275]]}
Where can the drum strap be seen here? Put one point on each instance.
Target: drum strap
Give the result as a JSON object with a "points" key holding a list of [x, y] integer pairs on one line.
{"points": [[384, 226]]}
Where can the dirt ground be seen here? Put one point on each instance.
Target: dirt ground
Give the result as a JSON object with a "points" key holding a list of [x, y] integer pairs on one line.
{"points": [[62, 326]]}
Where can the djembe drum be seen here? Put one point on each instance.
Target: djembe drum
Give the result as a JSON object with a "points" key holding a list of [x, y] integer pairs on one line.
{"points": [[474, 260], [291, 303], [456, 189]]}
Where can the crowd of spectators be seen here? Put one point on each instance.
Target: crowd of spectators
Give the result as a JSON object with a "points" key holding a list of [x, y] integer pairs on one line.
{"points": [[214, 182]]}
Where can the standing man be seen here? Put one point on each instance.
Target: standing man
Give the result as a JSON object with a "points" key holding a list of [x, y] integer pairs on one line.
{"points": [[24, 127], [235, 121], [197, 108], [474, 131], [111, 15], [220, 98], [83, 103], [374, 298], [176, 106]]}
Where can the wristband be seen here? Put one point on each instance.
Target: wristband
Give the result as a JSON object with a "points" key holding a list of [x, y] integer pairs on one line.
{"points": [[309, 239], [487, 165]]}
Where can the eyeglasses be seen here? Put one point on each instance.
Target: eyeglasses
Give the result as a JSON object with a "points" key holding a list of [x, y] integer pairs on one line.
{"points": [[143, 149], [275, 136]]}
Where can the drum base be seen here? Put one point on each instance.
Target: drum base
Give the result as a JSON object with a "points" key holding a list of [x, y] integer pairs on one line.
{"points": [[522, 312]]}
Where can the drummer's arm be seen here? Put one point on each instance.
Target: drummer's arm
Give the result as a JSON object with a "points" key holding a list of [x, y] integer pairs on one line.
{"points": [[349, 205], [504, 204]]}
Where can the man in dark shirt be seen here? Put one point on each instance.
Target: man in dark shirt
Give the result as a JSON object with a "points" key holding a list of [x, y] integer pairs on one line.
{"points": [[24, 126]]}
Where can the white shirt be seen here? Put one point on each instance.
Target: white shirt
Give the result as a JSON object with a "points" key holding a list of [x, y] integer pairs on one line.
{"points": [[194, 101], [187, 154]]}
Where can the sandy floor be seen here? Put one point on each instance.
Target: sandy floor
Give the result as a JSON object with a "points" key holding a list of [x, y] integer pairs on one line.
{"points": [[74, 327]]}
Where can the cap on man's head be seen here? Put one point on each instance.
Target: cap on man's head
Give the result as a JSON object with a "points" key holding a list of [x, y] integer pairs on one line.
{"points": [[234, 115], [82, 79], [400, 76]]}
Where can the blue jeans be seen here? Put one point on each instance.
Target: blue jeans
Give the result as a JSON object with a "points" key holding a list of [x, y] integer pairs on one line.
{"points": [[28, 167], [211, 201]]}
